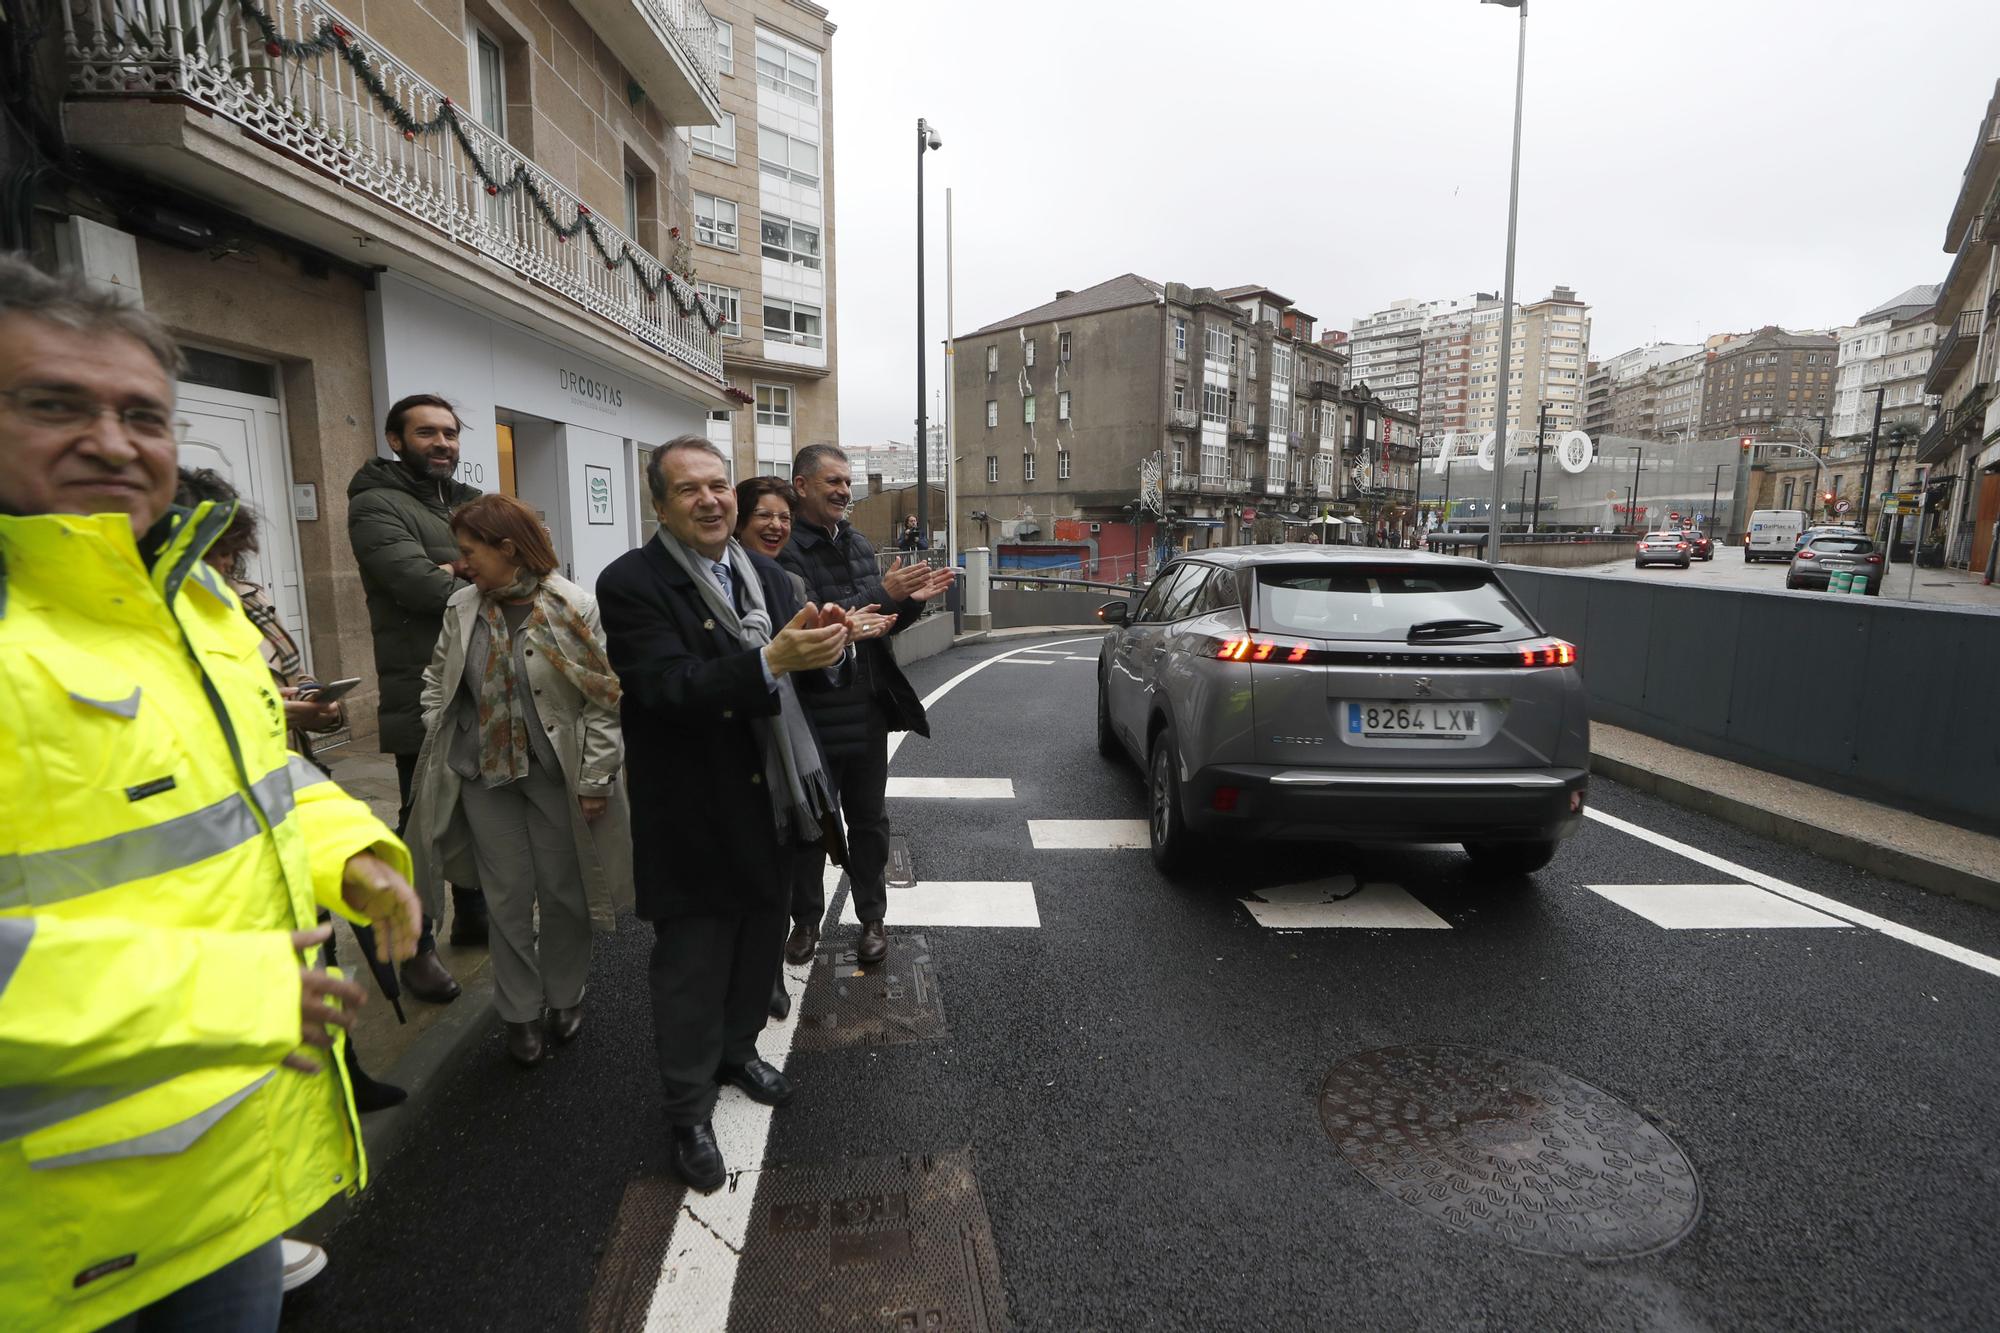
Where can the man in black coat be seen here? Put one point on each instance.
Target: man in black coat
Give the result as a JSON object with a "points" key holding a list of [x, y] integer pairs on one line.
{"points": [[700, 707], [839, 566]]}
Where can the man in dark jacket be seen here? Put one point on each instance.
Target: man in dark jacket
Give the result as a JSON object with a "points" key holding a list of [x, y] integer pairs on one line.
{"points": [[706, 712], [398, 513], [839, 565]]}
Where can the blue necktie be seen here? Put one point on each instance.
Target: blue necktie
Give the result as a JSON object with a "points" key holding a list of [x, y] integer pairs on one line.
{"points": [[728, 586]]}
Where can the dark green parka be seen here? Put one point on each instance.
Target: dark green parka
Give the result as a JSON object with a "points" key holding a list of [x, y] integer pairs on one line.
{"points": [[398, 523]]}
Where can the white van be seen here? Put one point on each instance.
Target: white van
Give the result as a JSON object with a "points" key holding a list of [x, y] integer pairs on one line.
{"points": [[1773, 534]]}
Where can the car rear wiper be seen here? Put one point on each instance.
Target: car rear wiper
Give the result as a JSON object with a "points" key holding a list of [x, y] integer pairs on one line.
{"points": [[1451, 629]]}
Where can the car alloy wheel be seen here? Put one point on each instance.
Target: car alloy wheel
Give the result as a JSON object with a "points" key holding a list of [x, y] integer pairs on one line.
{"points": [[1166, 828]]}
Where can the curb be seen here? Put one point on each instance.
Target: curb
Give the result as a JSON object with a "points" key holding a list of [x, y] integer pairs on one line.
{"points": [[423, 1072], [1935, 876]]}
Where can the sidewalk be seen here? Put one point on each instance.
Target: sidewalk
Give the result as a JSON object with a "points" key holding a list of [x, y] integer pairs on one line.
{"points": [[1940, 857]]}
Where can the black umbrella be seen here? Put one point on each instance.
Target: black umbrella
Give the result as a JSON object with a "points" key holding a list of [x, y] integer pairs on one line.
{"points": [[385, 973]]}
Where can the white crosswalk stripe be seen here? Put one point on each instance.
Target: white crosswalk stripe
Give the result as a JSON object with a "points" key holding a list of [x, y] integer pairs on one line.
{"points": [[952, 789], [1713, 907], [1086, 834], [956, 903], [1335, 904]]}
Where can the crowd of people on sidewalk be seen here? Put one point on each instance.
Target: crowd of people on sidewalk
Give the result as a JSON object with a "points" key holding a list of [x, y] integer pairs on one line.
{"points": [[177, 1090]]}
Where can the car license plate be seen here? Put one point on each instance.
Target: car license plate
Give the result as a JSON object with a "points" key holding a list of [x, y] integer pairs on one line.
{"points": [[1414, 720]]}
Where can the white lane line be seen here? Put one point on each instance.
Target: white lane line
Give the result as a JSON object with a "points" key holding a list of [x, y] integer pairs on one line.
{"points": [[1087, 834], [1853, 915], [698, 1275], [930, 700], [1333, 904], [956, 903], [953, 789], [1713, 907], [1031, 661]]}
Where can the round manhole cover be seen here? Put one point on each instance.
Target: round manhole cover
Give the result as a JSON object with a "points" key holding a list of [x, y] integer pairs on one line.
{"points": [[1511, 1150]]}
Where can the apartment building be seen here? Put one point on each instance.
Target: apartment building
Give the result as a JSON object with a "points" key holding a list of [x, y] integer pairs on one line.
{"points": [[1962, 444], [486, 203], [1445, 400], [1386, 352], [1628, 394], [1063, 411], [1546, 365], [1888, 350], [1771, 384], [1677, 409], [762, 181]]}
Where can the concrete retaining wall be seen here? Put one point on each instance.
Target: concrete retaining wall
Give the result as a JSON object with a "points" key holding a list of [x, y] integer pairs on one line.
{"points": [[1014, 607], [1886, 700], [927, 638]]}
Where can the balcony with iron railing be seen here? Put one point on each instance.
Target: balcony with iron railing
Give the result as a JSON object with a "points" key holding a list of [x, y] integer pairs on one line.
{"points": [[330, 101], [1953, 350], [670, 48], [1962, 423], [1969, 249], [1183, 418]]}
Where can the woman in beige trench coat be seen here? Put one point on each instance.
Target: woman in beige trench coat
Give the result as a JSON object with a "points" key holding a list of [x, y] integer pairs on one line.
{"points": [[518, 785]]}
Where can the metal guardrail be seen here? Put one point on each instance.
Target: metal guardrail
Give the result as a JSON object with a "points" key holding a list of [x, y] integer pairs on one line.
{"points": [[1037, 581]]}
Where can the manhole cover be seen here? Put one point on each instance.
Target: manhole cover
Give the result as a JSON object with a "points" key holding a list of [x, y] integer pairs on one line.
{"points": [[895, 1000], [1510, 1150], [897, 1244]]}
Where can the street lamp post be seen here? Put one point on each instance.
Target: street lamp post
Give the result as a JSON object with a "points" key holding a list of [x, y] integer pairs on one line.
{"points": [[1638, 466], [1541, 439], [1507, 295], [1868, 468], [1714, 498], [927, 140]]}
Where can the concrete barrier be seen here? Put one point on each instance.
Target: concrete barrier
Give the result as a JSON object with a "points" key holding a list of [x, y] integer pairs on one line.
{"points": [[1877, 698], [1016, 606], [927, 638]]}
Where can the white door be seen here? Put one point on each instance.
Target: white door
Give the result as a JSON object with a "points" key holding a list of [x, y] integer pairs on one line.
{"points": [[242, 436]]}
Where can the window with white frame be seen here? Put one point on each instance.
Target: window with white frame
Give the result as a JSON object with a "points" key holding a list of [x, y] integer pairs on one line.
{"points": [[793, 322], [1028, 353], [1215, 402], [725, 47], [785, 70], [993, 360], [489, 81], [1217, 345], [992, 413], [1028, 409], [715, 221], [790, 242], [774, 405], [1180, 339], [1027, 466], [1251, 366], [787, 156], [1180, 396], [1062, 405], [1062, 348], [1062, 465], [1281, 364], [992, 467], [716, 141], [729, 300]]}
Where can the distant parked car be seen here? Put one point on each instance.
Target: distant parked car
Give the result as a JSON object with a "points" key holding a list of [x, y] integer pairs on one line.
{"points": [[1773, 534], [1352, 695], [1815, 564], [1702, 545], [1825, 530], [1662, 548]]}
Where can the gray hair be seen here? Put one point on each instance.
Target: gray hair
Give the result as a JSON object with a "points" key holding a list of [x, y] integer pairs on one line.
{"points": [[656, 462], [71, 301], [810, 458]]}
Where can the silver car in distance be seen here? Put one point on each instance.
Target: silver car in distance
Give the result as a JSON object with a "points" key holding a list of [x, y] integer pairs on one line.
{"points": [[1352, 695]]}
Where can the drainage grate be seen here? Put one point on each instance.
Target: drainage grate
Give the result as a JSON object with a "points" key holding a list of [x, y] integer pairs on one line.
{"points": [[899, 1243], [1510, 1150], [896, 1000], [902, 870]]}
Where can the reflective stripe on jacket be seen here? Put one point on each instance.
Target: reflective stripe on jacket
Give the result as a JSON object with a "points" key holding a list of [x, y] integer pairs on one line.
{"points": [[159, 845]]}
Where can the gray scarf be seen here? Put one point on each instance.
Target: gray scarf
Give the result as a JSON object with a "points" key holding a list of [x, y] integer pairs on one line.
{"points": [[808, 813]]}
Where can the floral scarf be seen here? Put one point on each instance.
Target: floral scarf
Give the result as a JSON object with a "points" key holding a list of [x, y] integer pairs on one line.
{"points": [[555, 627]]}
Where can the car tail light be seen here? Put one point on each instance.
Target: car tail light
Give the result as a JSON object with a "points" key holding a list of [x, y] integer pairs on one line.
{"points": [[1642, 546], [1682, 547], [1223, 801], [1807, 555], [1874, 559], [1553, 652], [1247, 648]]}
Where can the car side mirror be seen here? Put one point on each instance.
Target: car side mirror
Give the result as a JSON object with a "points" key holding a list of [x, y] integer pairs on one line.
{"points": [[1114, 613]]}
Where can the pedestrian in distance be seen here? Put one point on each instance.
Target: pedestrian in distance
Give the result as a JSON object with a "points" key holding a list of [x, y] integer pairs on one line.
{"points": [[764, 516], [909, 539], [839, 567], [164, 1123], [398, 512], [709, 642], [518, 776]]}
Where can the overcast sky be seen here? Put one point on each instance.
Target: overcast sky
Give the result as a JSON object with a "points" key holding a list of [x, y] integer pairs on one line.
{"points": [[1689, 168]]}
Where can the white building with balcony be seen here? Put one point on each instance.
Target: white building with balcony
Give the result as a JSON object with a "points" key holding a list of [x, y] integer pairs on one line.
{"points": [[1889, 349]]}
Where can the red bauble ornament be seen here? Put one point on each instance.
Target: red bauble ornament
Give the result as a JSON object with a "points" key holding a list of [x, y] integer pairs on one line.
{"points": [[272, 48], [561, 239], [339, 33], [582, 212], [492, 189], [409, 134], [674, 232]]}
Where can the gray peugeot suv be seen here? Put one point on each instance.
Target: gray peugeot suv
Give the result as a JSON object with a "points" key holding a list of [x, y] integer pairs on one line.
{"points": [[1355, 695]]}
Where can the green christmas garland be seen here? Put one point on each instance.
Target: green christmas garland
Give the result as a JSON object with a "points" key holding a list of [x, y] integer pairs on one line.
{"points": [[335, 39]]}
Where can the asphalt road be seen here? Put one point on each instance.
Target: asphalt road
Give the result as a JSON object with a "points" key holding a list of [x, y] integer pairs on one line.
{"points": [[1949, 587], [1137, 1080]]}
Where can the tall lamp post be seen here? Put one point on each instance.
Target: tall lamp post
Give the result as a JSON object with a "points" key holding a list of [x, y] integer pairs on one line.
{"points": [[1638, 466], [928, 140], [1714, 497], [1507, 295]]}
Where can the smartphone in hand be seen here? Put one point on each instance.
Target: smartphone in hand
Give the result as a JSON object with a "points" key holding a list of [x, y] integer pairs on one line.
{"points": [[331, 692]]}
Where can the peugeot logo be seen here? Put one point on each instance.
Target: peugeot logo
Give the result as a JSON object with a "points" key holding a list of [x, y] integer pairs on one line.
{"points": [[1423, 685]]}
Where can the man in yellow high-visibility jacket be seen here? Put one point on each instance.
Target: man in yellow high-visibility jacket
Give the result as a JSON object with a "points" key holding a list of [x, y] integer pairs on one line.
{"points": [[162, 860]]}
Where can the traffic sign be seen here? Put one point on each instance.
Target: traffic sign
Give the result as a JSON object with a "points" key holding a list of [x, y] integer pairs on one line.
{"points": [[1840, 508], [1675, 516]]}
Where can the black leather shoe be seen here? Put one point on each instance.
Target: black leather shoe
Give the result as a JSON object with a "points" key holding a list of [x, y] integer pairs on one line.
{"points": [[424, 977], [369, 1095], [760, 1081], [564, 1024], [873, 946], [781, 999], [799, 945], [697, 1158], [524, 1042], [468, 916]]}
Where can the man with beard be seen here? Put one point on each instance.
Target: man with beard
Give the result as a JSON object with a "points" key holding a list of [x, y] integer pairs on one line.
{"points": [[398, 513]]}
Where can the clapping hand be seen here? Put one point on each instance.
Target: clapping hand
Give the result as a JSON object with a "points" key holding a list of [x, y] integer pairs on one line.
{"points": [[814, 638], [868, 622], [914, 583]]}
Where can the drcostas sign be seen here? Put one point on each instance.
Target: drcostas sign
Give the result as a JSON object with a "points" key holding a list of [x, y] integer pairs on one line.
{"points": [[591, 392], [1573, 450]]}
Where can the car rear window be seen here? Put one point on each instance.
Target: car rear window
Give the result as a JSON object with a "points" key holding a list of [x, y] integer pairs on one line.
{"points": [[1359, 601], [1856, 545]]}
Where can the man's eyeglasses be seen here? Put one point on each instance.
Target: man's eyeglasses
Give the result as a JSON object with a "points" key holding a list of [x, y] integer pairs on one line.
{"points": [[62, 409]]}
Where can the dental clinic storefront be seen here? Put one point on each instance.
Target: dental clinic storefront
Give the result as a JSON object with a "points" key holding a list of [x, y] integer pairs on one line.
{"points": [[556, 427]]}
